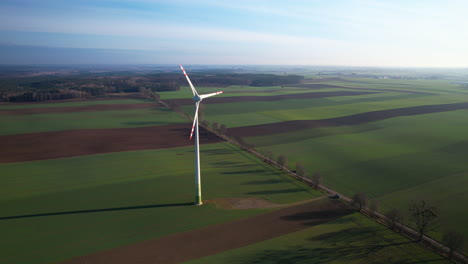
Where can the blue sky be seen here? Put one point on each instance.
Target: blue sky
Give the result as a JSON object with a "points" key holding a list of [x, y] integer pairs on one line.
{"points": [[342, 32]]}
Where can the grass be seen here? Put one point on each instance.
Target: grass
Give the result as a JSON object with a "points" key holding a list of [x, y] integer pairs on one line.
{"points": [[350, 239], [68, 104], [20, 124], [155, 186], [393, 160]]}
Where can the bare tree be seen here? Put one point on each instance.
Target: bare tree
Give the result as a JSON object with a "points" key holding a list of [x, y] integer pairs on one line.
{"points": [[423, 216], [205, 123], [374, 206], [282, 161], [360, 200], [269, 155], [395, 216], [300, 170], [453, 240], [316, 179], [201, 111], [222, 129], [215, 126]]}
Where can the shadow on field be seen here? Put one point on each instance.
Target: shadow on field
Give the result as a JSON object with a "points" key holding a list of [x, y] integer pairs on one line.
{"points": [[340, 247], [148, 123], [97, 210], [271, 181], [245, 172], [216, 151], [326, 255], [276, 191]]}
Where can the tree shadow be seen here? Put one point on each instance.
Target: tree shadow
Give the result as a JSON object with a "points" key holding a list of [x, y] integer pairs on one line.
{"points": [[216, 151], [245, 172], [275, 192], [343, 252], [97, 210], [271, 181], [148, 123]]}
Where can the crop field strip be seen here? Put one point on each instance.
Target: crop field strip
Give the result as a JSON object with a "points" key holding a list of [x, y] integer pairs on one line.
{"points": [[348, 239], [288, 126], [134, 210], [72, 103], [103, 201], [69, 143], [218, 238], [73, 109], [233, 99], [84, 115]]}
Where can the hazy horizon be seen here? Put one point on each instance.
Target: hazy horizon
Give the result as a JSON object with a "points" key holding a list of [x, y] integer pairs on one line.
{"points": [[206, 32]]}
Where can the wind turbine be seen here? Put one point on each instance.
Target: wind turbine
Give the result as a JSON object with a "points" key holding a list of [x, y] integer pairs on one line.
{"points": [[197, 98]]}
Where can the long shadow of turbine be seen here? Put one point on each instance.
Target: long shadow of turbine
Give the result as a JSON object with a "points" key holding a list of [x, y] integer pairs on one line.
{"points": [[96, 210]]}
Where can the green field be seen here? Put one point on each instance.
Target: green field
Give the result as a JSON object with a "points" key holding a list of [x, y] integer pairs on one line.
{"points": [[159, 179], [350, 239], [67, 104], [34, 123], [393, 160], [53, 210]]}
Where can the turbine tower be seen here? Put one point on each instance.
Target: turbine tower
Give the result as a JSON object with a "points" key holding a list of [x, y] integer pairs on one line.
{"points": [[197, 98]]}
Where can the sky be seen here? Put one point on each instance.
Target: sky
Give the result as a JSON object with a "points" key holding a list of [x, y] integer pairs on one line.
{"points": [[394, 33]]}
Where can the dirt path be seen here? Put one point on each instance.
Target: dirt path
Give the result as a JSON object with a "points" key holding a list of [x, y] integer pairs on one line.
{"points": [[218, 238], [236, 99], [288, 126], [69, 143], [73, 109]]}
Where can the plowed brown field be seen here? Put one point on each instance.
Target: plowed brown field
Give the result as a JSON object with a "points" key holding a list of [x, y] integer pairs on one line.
{"points": [[218, 238], [288, 126], [69, 143]]}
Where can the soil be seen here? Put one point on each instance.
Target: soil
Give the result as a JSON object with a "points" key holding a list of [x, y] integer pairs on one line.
{"points": [[210, 240], [69, 143], [73, 109], [236, 99], [288, 126]]}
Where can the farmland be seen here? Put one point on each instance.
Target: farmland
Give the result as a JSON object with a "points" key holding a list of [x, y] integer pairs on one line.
{"points": [[397, 144], [126, 177]]}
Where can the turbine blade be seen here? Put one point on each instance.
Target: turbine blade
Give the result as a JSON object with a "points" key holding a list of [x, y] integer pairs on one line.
{"points": [[194, 120], [188, 79], [203, 96]]}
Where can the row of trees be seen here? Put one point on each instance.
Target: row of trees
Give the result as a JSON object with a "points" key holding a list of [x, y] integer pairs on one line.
{"points": [[421, 215]]}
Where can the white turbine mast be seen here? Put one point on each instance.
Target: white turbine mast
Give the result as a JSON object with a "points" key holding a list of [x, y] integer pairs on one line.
{"points": [[197, 98]]}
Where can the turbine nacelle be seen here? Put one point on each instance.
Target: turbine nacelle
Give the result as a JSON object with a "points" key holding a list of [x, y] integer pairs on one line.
{"points": [[197, 98]]}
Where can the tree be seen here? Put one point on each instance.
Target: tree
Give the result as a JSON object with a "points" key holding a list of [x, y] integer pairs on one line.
{"points": [[201, 111], [300, 170], [395, 216], [453, 240], [374, 206], [205, 123], [360, 200], [316, 179], [269, 155], [282, 161], [222, 129], [423, 216], [215, 126]]}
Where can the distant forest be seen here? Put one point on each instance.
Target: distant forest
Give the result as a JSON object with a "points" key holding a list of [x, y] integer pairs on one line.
{"points": [[44, 88]]}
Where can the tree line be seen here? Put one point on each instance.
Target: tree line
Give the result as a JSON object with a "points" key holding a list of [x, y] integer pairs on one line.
{"points": [[43, 88]]}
